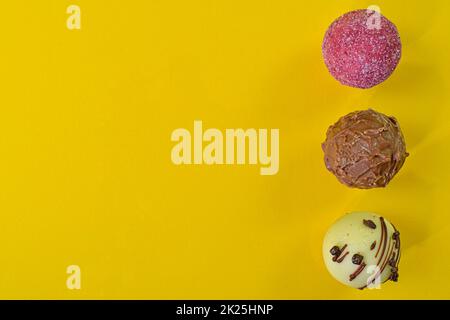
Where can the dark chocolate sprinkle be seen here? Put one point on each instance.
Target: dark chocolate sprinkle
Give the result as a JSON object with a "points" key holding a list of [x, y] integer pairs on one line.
{"points": [[392, 262], [335, 251], [395, 235], [394, 277], [357, 259], [372, 246], [370, 224]]}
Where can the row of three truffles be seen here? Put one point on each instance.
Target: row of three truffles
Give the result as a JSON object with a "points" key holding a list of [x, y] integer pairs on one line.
{"points": [[364, 149]]}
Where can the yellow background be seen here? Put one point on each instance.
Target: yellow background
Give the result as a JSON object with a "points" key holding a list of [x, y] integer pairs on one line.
{"points": [[86, 176]]}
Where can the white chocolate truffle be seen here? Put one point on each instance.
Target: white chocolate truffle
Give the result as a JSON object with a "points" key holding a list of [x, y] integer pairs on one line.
{"points": [[362, 249]]}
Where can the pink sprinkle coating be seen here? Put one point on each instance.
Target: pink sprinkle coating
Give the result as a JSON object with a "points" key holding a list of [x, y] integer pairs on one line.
{"points": [[360, 53]]}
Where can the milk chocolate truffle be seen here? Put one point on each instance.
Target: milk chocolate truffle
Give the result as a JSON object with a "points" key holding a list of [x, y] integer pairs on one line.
{"points": [[364, 149], [361, 48], [362, 250]]}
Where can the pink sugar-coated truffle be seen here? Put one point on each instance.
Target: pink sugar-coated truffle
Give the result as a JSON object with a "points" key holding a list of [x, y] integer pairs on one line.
{"points": [[361, 48]]}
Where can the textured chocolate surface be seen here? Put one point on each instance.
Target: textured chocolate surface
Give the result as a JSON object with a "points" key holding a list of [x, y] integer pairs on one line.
{"points": [[364, 149]]}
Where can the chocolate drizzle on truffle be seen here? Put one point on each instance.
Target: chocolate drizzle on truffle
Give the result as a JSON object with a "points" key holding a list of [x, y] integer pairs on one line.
{"points": [[383, 236], [357, 271], [388, 258], [342, 257], [364, 149]]}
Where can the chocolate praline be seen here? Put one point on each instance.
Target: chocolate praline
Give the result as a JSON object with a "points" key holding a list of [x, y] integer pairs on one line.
{"points": [[361, 48], [364, 149], [359, 263]]}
